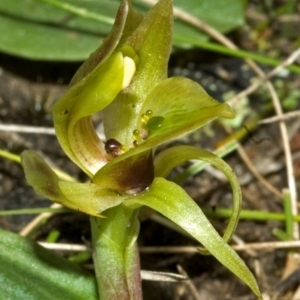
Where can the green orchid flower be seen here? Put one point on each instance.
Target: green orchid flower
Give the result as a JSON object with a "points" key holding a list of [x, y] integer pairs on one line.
{"points": [[126, 79]]}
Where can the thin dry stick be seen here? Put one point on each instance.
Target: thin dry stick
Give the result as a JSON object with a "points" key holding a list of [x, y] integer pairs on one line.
{"points": [[254, 171], [247, 161], [36, 221], [189, 283], [264, 246], [162, 276], [64, 247], [252, 88], [288, 159], [27, 129], [283, 130], [286, 116], [36, 130]]}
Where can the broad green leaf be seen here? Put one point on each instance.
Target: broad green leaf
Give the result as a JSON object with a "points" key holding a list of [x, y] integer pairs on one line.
{"points": [[174, 203], [170, 158], [85, 197], [37, 30], [221, 15], [30, 272]]}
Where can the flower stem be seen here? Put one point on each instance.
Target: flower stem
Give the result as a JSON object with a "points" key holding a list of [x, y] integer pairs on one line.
{"points": [[115, 254]]}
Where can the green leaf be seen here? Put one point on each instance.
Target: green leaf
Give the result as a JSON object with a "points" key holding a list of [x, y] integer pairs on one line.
{"points": [[30, 272], [170, 158], [85, 197], [37, 30], [224, 16], [174, 203]]}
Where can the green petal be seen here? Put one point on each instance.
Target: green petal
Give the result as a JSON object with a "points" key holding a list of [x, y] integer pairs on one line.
{"points": [[173, 202], [85, 197], [184, 107], [170, 158]]}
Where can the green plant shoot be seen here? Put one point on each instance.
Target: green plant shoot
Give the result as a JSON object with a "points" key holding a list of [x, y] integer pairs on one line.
{"points": [[126, 79]]}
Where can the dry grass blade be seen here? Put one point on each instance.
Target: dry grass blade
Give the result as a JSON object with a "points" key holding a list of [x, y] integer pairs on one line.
{"points": [[37, 221], [64, 247], [256, 174], [163, 276], [286, 116], [263, 246], [27, 129], [252, 88], [189, 283]]}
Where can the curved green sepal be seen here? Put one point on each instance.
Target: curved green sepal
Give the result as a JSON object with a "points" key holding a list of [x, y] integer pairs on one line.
{"points": [[93, 87], [85, 197], [170, 158], [126, 21], [174, 203], [31, 272], [71, 113]]}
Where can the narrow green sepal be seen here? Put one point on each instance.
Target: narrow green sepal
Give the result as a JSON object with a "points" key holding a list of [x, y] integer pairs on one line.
{"points": [[71, 113], [170, 158], [174, 203], [85, 197]]}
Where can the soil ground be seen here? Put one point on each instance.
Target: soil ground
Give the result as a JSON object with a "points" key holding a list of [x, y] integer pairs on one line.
{"points": [[28, 90]]}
